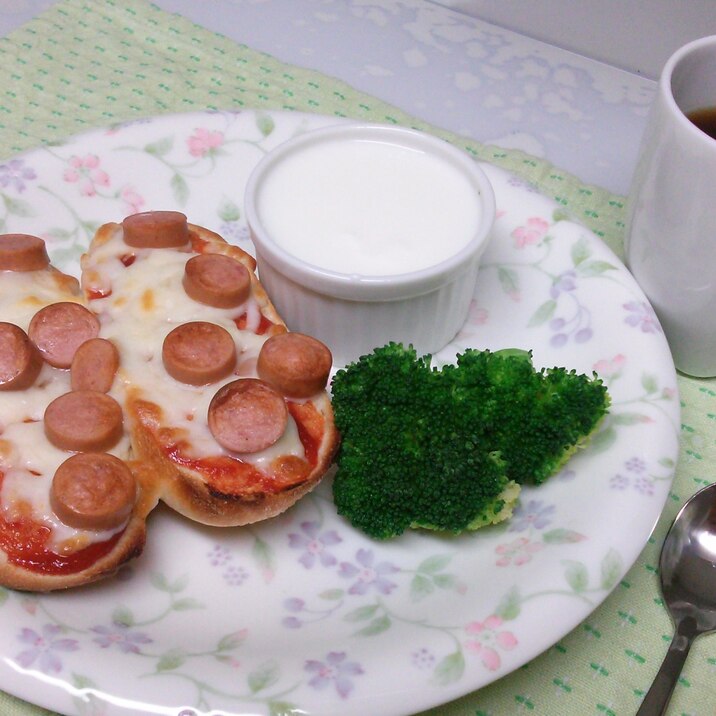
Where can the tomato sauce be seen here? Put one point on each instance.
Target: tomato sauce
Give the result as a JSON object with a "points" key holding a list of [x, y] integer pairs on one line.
{"points": [[232, 476], [93, 293], [227, 475], [309, 422], [197, 243], [24, 541], [262, 328]]}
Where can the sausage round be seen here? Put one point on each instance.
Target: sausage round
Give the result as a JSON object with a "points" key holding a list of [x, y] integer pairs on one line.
{"points": [[156, 230], [84, 420], [22, 252], [216, 280], [20, 361], [94, 491], [247, 416], [59, 329], [199, 353], [294, 364], [94, 365]]}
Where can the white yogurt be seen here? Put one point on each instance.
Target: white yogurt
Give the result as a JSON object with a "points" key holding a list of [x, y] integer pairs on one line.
{"points": [[368, 207]]}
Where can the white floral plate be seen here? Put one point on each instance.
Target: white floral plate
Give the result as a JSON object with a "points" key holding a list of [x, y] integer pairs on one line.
{"points": [[304, 614]]}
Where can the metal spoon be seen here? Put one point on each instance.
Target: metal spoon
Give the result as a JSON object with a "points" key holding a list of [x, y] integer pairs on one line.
{"points": [[688, 583]]}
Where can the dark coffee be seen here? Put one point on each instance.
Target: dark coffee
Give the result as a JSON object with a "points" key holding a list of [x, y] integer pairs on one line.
{"points": [[705, 119]]}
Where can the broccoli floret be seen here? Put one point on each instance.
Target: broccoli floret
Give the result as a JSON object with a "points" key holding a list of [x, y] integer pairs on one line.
{"points": [[537, 419], [446, 449]]}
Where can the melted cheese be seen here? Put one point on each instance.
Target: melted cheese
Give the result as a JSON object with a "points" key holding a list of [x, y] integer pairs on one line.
{"points": [[30, 404], [146, 301], [28, 473], [22, 294], [27, 459]]}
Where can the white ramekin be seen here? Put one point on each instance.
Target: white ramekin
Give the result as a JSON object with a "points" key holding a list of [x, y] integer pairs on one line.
{"points": [[353, 314]]}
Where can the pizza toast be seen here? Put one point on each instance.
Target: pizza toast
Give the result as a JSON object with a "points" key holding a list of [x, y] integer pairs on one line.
{"points": [[166, 374], [71, 507], [226, 407]]}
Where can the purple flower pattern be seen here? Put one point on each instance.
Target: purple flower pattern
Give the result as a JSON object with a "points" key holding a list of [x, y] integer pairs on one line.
{"points": [[641, 315], [520, 183], [42, 648], [619, 482], [15, 173], [423, 658], [565, 475], [336, 670], [296, 605], [235, 575], [220, 556], [235, 232], [635, 475], [314, 544], [635, 464], [367, 574], [577, 326], [566, 282], [121, 636], [533, 514]]}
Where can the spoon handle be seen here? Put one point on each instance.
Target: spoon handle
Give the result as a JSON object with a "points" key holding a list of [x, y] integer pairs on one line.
{"points": [[657, 698]]}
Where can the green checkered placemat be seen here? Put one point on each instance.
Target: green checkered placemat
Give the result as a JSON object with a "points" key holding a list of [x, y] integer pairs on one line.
{"points": [[84, 64]]}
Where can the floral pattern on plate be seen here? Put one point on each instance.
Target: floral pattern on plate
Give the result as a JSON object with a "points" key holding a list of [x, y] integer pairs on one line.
{"points": [[303, 614]]}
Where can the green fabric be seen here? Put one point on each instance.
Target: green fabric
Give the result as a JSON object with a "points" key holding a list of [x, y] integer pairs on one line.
{"points": [[85, 64]]}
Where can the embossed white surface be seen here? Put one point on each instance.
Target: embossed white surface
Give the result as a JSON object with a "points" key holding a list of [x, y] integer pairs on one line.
{"points": [[448, 68], [638, 35]]}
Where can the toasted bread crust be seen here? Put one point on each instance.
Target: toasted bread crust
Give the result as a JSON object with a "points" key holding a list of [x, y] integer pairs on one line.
{"points": [[129, 546]]}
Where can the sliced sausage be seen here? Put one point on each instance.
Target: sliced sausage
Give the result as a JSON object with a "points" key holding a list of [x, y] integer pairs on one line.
{"points": [[216, 280], [84, 420], [59, 329], [247, 416], [93, 491], [22, 252], [199, 353], [20, 361], [294, 364], [94, 366], [156, 230]]}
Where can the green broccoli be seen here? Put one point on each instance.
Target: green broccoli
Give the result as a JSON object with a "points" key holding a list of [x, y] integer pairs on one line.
{"points": [[447, 449]]}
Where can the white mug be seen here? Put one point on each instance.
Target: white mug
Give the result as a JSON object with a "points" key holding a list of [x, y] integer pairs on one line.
{"points": [[671, 234]]}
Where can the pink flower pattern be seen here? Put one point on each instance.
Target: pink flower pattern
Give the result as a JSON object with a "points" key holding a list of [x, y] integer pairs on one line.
{"points": [[517, 552], [87, 173], [132, 199], [610, 367], [486, 639], [531, 233], [204, 142], [476, 316]]}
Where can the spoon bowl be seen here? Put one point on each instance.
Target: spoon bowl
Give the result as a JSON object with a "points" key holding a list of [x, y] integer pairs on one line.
{"points": [[688, 582]]}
